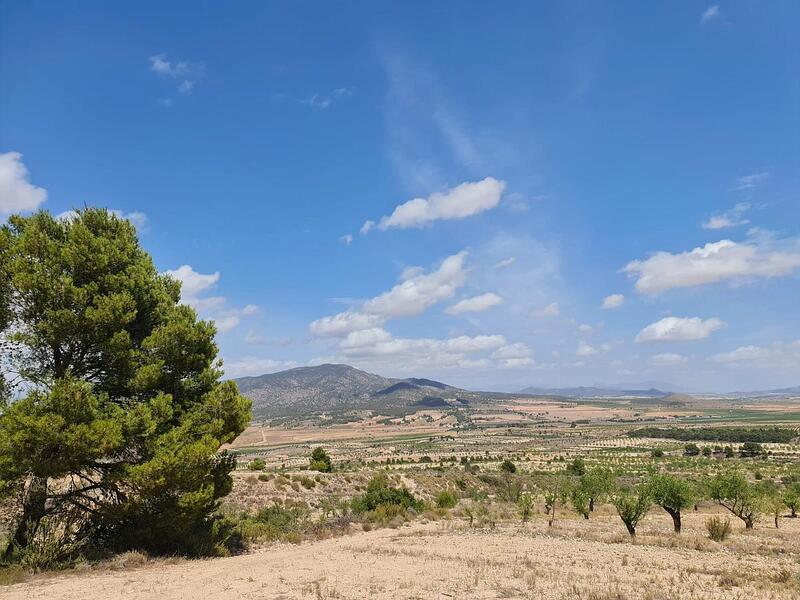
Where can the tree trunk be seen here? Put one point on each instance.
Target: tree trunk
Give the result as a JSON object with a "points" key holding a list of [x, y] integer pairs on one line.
{"points": [[631, 529], [794, 512], [676, 519], [776, 521], [591, 505], [34, 501], [748, 522]]}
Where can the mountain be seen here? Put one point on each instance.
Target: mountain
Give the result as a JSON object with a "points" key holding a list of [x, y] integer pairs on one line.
{"points": [[594, 392], [330, 388]]}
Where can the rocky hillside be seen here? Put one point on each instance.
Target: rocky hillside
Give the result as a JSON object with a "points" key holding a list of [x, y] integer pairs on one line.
{"points": [[331, 388]]}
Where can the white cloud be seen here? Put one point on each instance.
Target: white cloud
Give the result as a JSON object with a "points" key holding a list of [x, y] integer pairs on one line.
{"points": [[517, 363], [344, 323], [677, 329], [225, 324], [749, 182], [516, 350], [585, 328], [613, 301], [462, 201], [711, 13], [365, 337], [193, 284], [778, 357], [346, 239], [17, 194], [585, 349], [365, 228], [506, 262], [667, 359], [551, 310], [742, 354], [475, 304], [714, 262], [415, 294], [730, 218]]}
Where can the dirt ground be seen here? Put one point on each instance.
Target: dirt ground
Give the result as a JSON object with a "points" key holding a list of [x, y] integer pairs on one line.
{"points": [[575, 559]]}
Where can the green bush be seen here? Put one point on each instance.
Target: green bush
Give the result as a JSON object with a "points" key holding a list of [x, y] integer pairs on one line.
{"points": [[379, 492], [257, 464], [446, 499], [508, 467]]}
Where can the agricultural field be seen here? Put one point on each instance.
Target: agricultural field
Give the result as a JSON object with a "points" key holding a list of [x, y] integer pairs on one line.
{"points": [[489, 502]]}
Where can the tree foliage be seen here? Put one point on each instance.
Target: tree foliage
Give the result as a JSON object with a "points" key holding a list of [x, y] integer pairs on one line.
{"points": [[320, 461], [632, 506], [673, 495], [596, 484], [731, 490], [119, 411]]}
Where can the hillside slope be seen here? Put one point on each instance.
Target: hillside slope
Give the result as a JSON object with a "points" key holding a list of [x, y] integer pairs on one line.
{"points": [[331, 387]]}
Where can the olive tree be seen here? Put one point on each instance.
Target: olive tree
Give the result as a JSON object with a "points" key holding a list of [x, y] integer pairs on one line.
{"points": [[118, 411]]}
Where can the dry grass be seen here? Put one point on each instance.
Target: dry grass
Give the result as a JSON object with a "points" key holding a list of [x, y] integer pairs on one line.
{"points": [[574, 559]]}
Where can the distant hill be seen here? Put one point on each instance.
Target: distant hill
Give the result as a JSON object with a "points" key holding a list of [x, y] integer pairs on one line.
{"points": [[331, 387], [594, 392]]}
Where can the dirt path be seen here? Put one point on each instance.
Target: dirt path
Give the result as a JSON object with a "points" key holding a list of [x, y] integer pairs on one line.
{"points": [[435, 562]]}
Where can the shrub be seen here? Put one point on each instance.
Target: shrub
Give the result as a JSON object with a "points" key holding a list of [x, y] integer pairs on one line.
{"points": [[508, 467], [691, 450], [264, 476], [257, 464], [446, 499], [525, 504], [657, 453], [718, 529], [379, 492], [577, 466], [750, 449]]}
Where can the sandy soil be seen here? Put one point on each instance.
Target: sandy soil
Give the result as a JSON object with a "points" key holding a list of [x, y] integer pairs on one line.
{"points": [[447, 560]]}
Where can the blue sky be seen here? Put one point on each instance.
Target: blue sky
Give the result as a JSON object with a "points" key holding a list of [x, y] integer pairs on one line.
{"points": [[520, 166]]}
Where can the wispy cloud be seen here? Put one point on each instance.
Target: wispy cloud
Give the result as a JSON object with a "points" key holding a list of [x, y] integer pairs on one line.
{"points": [[730, 218], [317, 101], [749, 182], [711, 13], [182, 74], [426, 135]]}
